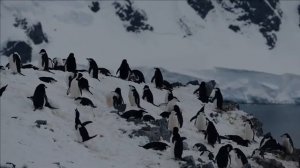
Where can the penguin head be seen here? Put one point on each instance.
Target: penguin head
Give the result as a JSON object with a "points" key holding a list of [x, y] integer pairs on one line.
{"points": [[118, 90], [42, 86], [146, 87], [132, 87], [286, 135], [176, 108], [71, 55], [228, 147], [43, 51], [175, 130]]}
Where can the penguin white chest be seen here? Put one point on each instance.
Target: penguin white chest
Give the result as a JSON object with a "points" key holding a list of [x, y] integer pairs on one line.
{"points": [[12, 65], [236, 161], [248, 132], [74, 89], [287, 145], [131, 98], [200, 123], [173, 121]]}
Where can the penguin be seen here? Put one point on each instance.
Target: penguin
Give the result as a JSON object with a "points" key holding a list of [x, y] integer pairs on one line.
{"points": [[74, 90], [58, 64], [158, 78], [104, 71], [83, 83], [211, 134], [169, 96], [200, 122], [124, 70], [81, 126], [175, 119], [39, 98], [270, 145], [199, 147], [201, 91], [85, 101], [134, 97], [136, 114], [93, 68], [223, 156], [44, 60], [47, 79], [136, 76], [147, 94], [208, 154], [266, 137], [239, 140], [218, 96], [177, 140], [29, 66], [249, 131], [161, 146], [70, 64], [148, 118], [2, 89], [239, 157], [15, 63], [171, 104], [287, 143], [115, 99], [167, 85], [2, 68]]}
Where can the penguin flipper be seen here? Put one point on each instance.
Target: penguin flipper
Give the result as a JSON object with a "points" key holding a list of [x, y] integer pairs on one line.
{"points": [[193, 118], [86, 123], [3, 89], [89, 138]]}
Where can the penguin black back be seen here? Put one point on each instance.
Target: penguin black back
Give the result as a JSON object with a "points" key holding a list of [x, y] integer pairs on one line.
{"points": [[2, 90], [93, 68], [147, 94], [241, 155], [156, 146], [202, 92], [70, 64], [211, 134], [85, 101], [83, 83], [137, 114], [223, 156], [124, 70], [136, 76], [158, 78], [179, 115], [45, 60]]}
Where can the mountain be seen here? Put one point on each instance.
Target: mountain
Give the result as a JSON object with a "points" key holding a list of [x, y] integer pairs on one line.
{"points": [[187, 35]]}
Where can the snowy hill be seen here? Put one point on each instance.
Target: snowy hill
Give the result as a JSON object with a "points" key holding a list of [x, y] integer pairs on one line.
{"points": [[56, 144], [178, 35]]}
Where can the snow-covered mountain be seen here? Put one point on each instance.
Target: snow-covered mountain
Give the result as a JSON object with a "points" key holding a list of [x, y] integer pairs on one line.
{"points": [[260, 35], [55, 142]]}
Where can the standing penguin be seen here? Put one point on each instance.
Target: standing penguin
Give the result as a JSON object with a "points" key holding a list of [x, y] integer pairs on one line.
{"points": [[124, 70], [178, 144], [200, 122], [169, 96], [287, 143], [82, 130], [240, 158], [175, 119], [44, 61], [158, 78], [218, 96], [249, 130], [115, 98], [15, 63], [223, 156], [83, 83], [134, 97], [93, 68], [211, 134], [39, 98], [70, 64], [74, 89], [201, 91], [147, 94]]}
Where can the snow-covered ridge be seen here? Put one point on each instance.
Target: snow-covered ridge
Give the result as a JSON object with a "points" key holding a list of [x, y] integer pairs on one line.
{"points": [[242, 86], [56, 143]]}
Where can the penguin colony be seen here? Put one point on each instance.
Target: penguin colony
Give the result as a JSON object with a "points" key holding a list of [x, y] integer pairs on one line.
{"points": [[77, 83]]}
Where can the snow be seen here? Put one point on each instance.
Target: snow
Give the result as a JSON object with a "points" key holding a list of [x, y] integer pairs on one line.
{"points": [[22, 143]]}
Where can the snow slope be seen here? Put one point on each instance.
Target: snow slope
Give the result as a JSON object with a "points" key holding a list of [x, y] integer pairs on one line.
{"points": [[22, 143], [73, 27]]}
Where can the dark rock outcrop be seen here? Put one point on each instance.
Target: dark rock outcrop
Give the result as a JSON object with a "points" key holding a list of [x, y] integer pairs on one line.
{"points": [[134, 19], [265, 14], [234, 28], [95, 6], [34, 31], [21, 47], [202, 7]]}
